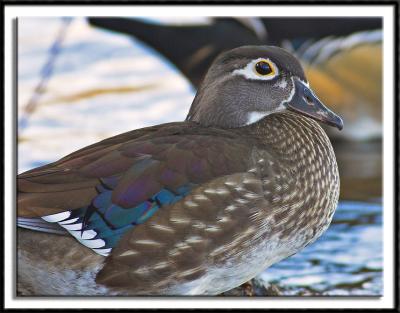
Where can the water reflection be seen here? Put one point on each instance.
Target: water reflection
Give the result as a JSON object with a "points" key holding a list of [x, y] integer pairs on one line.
{"points": [[346, 260]]}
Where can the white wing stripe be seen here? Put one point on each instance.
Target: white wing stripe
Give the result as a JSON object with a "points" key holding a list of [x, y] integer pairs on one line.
{"points": [[96, 243], [53, 218], [72, 226], [73, 220], [103, 252], [85, 237]]}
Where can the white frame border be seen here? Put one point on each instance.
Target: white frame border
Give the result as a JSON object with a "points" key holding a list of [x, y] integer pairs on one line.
{"points": [[386, 11]]}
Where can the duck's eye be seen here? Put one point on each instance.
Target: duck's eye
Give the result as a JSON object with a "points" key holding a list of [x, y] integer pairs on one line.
{"points": [[264, 68]]}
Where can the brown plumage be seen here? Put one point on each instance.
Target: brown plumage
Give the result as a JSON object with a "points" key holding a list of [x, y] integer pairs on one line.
{"points": [[184, 208]]}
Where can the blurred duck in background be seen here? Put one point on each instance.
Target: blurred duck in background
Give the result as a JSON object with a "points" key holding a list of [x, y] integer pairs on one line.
{"points": [[342, 56], [347, 72]]}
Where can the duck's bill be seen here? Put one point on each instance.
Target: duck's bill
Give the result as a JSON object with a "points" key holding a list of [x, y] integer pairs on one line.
{"points": [[305, 102]]}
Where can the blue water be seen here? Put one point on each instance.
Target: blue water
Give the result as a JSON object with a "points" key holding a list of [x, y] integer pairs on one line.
{"points": [[345, 260]]}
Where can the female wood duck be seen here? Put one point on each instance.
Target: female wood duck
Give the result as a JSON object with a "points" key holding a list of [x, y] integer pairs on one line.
{"points": [[187, 208]]}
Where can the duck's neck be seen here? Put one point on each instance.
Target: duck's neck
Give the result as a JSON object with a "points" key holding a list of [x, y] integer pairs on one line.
{"points": [[294, 137], [209, 113], [304, 158]]}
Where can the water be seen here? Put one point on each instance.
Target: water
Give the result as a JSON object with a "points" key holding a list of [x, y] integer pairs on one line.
{"points": [[104, 84], [346, 260]]}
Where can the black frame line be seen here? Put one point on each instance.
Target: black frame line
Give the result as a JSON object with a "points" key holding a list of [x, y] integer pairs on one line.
{"points": [[396, 117]]}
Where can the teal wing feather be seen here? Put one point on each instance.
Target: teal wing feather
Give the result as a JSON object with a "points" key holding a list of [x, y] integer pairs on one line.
{"points": [[100, 192]]}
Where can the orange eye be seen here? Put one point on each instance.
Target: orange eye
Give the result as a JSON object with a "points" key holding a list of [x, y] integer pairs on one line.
{"points": [[264, 68]]}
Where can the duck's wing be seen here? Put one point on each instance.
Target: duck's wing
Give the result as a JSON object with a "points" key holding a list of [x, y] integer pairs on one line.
{"points": [[58, 186], [214, 226], [65, 184], [100, 192]]}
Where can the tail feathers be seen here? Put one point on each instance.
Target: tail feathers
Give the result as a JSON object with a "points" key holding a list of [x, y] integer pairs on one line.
{"points": [[41, 225]]}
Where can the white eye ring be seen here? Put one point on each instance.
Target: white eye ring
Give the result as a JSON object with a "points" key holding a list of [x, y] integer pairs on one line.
{"points": [[249, 70]]}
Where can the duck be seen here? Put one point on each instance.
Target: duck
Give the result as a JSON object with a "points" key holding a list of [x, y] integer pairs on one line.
{"points": [[195, 207]]}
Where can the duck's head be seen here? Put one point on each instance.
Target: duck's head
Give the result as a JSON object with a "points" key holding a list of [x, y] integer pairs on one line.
{"points": [[245, 84]]}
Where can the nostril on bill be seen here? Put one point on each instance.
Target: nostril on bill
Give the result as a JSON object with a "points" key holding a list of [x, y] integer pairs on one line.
{"points": [[307, 97], [309, 100]]}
